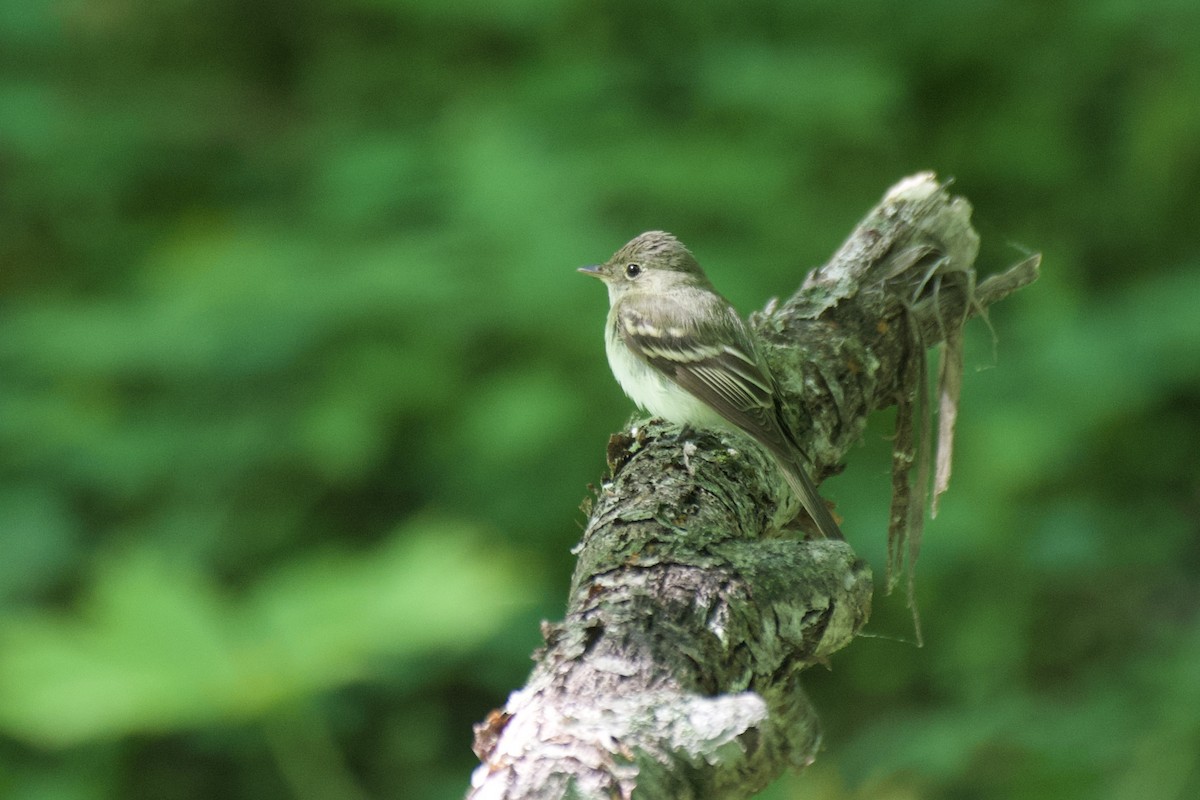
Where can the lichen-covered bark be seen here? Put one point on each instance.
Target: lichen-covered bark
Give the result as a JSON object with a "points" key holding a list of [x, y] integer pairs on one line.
{"points": [[694, 606]]}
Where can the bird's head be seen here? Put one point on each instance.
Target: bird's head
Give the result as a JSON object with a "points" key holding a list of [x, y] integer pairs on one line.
{"points": [[653, 261]]}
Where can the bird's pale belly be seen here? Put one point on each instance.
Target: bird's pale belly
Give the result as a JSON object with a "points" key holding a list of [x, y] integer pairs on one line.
{"points": [[656, 393]]}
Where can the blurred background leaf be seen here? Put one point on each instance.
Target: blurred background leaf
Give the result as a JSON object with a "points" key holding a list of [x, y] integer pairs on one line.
{"points": [[156, 646], [299, 393]]}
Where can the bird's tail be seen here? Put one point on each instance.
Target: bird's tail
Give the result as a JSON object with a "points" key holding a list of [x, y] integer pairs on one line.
{"points": [[802, 485]]}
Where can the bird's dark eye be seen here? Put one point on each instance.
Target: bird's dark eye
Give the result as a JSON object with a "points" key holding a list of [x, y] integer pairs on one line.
{"points": [[632, 270]]}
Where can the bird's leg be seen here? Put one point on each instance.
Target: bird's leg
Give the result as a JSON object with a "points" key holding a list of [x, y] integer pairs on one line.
{"points": [[685, 432]]}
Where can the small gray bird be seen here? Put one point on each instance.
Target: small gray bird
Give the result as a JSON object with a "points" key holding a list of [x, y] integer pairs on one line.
{"points": [[681, 352]]}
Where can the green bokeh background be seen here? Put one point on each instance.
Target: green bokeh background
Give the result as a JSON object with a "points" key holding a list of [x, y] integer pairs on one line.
{"points": [[300, 395]]}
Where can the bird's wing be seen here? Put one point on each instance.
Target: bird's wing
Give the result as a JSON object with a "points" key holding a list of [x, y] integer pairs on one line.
{"points": [[709, 353]]}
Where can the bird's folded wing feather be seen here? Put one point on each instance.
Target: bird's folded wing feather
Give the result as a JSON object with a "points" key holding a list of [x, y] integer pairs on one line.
{"points": [[711, 356]]}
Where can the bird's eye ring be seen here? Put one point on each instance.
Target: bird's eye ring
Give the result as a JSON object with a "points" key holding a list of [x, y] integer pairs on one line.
{"points": [[632, 270]]}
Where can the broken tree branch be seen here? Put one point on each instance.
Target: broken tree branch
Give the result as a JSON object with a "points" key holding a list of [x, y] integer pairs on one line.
{"points": [[693, 608]]}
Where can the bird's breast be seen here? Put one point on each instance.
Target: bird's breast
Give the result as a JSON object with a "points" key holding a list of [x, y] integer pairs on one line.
{"points": [[654, 391]]}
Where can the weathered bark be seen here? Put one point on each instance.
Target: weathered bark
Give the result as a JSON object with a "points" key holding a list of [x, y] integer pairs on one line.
{"points": [[693, 608]]}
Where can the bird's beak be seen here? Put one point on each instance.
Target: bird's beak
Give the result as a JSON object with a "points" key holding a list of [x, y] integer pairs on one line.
{"points": [[593, 270]]}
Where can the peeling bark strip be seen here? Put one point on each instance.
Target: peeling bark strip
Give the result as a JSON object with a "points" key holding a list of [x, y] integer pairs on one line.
{"points": [[692, 612]]}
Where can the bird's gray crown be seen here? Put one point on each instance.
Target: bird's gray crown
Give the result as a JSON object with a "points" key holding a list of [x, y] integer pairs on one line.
{"points": [[660, 250]]}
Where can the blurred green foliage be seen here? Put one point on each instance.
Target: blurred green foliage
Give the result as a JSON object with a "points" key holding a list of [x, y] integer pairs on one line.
{"points": [[299, 393]]}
